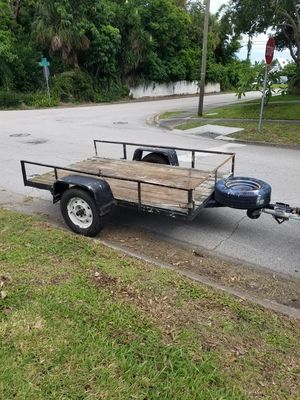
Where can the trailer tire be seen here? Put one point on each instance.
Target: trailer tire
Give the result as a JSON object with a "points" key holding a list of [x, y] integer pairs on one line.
{"points": [[80, 212], [156, 159], [243, 193]]}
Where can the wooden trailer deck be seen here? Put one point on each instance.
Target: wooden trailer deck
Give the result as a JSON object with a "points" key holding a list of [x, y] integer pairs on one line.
{"points": [[161, 186]]}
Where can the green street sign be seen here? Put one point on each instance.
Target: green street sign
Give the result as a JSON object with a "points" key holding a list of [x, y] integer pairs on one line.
{"points": [[44, 62]]}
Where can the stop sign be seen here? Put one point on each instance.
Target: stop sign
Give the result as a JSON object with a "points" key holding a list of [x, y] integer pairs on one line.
{"points": [[270, 47]]}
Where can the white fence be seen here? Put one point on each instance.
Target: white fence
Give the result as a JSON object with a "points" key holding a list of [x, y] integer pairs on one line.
{"points": [[169, 89]]}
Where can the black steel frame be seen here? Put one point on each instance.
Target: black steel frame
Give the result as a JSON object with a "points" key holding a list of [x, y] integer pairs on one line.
{"points": [[193, 151], [190, 214]]}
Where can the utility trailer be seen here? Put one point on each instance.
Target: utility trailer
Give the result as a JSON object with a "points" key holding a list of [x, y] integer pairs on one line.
{"points": [[152, 181]]}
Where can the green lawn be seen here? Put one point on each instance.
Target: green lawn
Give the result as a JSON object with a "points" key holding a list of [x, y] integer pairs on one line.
{"points": [[280, 107], [283, 107], [170, 114], [270, 133], [273, 133], [80, 321], [283, 97], [250, 110], [189, 125]]}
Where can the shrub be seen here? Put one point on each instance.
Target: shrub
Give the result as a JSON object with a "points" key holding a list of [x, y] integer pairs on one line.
{"points": [[10, 99], [110, 90], [218, 73], [73, 86], [39, 99], [294, 83]]}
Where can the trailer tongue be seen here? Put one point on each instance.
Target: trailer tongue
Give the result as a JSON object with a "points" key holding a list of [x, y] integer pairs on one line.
{"points": [[282, 212]]}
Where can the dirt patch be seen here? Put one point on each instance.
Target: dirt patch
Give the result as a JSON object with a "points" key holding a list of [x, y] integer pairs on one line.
{"points": [[103, 280], [162, 309], [260, 283]]}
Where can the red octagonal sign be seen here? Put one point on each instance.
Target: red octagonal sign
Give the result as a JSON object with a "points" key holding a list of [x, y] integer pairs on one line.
{"points": [[270, 47]]}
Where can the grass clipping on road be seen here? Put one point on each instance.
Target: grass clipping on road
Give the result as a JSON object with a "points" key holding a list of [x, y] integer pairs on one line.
{"points": [[80, 321]]}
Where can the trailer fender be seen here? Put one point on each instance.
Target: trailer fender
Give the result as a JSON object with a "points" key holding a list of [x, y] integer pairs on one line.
{"points": [[98, 188], [157, 156]]}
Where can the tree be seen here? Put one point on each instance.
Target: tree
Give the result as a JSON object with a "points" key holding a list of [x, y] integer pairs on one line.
{"points": [[228, 40], [154, 40], [256, 16], [61, 26], [7, 59]]}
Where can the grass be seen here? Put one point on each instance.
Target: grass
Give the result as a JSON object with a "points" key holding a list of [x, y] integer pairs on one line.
{"points": [[280, 107], [270, 133], [286, 98], [280, 86], [274, 133], [81, 321], [248, 110], [170, 114], [189, 125]]}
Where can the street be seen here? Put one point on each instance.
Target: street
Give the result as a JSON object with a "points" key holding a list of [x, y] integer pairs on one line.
{"points": [[64, 135]]}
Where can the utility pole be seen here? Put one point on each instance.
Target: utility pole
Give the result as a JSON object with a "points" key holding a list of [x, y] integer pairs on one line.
{"points": [[203, 62]]}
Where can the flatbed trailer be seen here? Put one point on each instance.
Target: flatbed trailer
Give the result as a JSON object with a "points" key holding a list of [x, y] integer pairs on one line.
{"points": [[156, 186]]}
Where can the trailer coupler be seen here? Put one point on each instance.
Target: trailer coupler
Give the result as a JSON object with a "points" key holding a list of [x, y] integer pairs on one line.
{"points": [[282, 212]]}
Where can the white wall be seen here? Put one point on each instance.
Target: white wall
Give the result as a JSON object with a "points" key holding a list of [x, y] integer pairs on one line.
{"points": [[173, 88]]}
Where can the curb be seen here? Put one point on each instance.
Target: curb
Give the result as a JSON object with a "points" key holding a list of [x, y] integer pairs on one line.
{"points": [[153, 120], [265, 303]]}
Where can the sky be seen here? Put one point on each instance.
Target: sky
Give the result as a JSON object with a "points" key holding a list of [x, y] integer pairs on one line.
{"points": [[259, 41]]}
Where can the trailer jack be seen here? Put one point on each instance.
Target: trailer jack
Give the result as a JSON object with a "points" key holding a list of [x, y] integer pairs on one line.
{"points": [[282, 212]]}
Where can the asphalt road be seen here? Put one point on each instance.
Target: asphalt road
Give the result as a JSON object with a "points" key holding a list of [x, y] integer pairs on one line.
{"points": [[61, 136]]}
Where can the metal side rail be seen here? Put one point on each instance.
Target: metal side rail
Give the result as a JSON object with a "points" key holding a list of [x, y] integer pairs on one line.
{"points": [[282, 212]]}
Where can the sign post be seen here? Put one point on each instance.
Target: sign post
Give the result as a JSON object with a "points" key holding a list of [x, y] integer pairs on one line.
{"points": [[270, 47], [44, 63]]}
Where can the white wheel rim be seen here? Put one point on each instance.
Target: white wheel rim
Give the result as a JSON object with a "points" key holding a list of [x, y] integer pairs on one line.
{"points": [[80, 212]]}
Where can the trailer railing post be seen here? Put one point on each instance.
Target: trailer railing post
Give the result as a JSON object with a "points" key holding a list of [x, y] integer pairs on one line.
{"points": [[124, 151], [24, 173], [233, 165], [139, 194], [193, 159], [95, 146]]}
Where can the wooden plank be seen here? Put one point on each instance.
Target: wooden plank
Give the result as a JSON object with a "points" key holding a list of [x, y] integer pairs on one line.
{"points": [[152, 173], [124, 190], [171, 198]]}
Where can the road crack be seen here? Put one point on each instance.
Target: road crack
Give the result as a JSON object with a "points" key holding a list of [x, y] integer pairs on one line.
{"points": [[235, 228]]}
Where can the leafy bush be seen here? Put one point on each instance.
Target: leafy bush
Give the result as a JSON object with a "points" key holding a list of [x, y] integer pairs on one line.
{"points": [[39, 99], [294, 83], [10, 99], [253, 79], [73, 86], [110, 90], [289, 70]]}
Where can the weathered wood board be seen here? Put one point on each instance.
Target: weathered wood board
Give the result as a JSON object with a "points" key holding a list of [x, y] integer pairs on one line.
{"points": [[173, 194]]}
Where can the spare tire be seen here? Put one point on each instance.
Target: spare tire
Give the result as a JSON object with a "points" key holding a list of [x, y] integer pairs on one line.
{"points": [[243, 193], [156, 158]]}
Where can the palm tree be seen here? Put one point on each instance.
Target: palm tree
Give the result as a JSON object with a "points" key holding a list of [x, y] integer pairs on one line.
{"points": [[57, 26]]}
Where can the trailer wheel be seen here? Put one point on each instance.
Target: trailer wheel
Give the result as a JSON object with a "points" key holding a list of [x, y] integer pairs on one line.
{"points": [[80, 212], [156, 159], [243, 193]]}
